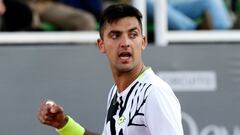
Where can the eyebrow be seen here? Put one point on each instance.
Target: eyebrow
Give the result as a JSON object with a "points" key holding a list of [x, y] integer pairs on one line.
{"points": [[118, 31], [133, 29], [114, 32]]}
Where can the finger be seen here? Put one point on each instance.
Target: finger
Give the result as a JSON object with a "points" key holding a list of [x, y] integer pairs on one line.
{"points": [[45, 109], [42, 111], [48, 117], [42, 119], [47, 122], [50, 103], [46, 106], [52, 107], [44, 115], [56, 109]]}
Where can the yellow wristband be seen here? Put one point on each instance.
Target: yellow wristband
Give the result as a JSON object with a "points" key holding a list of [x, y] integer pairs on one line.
{"points": [[71, 128]]}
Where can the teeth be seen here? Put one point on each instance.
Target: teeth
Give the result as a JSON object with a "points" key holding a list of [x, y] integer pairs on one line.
{"points": [[124, 58]]}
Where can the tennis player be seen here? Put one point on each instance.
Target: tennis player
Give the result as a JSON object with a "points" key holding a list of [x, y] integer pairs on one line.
{"points": [[140, 103]]}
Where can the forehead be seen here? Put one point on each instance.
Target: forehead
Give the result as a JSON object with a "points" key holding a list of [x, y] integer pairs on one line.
{"points": [[123, 24]]}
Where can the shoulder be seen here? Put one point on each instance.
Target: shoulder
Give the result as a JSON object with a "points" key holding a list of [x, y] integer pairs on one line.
{"points": [[157, 84], [160, 94], [163, 108], [161, 91]]}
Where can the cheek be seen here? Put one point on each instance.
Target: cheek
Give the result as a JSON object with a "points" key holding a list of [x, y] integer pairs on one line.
{"points": [[111, 46], [110, 50], [138, 49], [140, 46]]}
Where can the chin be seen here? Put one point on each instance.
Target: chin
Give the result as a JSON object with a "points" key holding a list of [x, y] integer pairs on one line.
{"points": [[125, 68]]}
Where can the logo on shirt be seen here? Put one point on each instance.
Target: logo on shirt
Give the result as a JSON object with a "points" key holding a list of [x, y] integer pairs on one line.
{"points": [[121, 120]]}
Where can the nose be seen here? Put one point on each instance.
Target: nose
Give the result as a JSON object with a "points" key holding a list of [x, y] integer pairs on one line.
{"points": [[125, 42]]}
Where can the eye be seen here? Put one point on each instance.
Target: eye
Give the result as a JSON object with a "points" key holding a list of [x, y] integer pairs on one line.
{"points": [[133, 35], [115, 35]]}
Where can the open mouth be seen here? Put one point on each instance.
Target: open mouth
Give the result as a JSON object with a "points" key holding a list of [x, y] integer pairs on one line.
{"points": [[125, 55]]}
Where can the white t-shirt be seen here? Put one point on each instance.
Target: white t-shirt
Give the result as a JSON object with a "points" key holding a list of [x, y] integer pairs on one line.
{"points": [[147, 107]]}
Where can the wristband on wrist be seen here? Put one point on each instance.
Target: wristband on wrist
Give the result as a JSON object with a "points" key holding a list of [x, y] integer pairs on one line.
{"points": [[71, 128]]}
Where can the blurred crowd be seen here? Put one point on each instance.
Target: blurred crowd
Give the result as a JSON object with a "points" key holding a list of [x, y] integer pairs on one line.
{"points": [[76, 15], [49, 15]]}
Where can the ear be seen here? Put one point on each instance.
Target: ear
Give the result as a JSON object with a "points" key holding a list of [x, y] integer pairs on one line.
{"points": [[100, 45], [144, 42]]}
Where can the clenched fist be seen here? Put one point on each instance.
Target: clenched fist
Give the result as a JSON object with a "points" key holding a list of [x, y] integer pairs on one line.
{"points": [[52, 114]]}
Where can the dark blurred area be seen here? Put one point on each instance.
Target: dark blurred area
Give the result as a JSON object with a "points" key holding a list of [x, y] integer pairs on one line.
{"points": [[15, 16]]}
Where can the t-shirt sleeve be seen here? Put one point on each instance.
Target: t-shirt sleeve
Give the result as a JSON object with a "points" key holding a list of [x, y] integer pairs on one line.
{"points": [[71, 128], [163, 113]]}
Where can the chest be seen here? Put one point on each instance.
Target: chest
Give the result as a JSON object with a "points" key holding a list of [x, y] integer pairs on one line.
{"points": [[126, 115]]}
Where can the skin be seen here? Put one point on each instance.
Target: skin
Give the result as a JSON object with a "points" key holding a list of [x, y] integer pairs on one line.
{"points": [[2, 8], [123, 44]]}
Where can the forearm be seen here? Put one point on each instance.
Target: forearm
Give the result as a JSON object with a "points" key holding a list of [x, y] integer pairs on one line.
{"points": [[73, 128], [90, 133]]}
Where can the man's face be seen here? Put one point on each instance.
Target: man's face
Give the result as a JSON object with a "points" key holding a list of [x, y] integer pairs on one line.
{"points": [[123, 44]]}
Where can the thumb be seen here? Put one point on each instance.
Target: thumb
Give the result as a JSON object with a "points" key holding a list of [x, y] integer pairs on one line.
{"points": [[56, 109]]}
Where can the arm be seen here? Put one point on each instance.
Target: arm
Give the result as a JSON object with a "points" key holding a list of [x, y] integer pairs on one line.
{"points": [[53, 115]]}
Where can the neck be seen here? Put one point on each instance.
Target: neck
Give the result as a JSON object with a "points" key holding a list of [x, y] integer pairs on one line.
{"points": [[123, 80]]}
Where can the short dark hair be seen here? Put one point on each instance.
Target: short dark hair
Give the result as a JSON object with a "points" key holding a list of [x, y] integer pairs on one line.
{"points": [[118, 11]]}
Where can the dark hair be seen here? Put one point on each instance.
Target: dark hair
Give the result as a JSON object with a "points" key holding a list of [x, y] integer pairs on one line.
{"points": [[118, 11]]}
